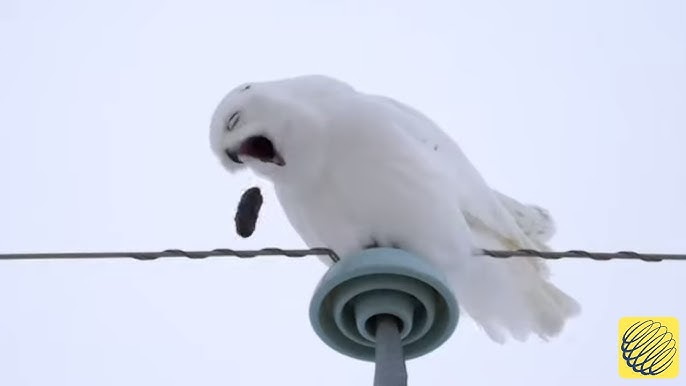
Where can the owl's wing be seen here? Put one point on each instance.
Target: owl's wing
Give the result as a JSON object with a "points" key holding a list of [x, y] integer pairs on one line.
{"points": [[516, 225], [535, 221]]}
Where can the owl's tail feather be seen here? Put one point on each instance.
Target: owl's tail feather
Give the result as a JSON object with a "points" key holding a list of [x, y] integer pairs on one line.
{"points": [[511, 297]]}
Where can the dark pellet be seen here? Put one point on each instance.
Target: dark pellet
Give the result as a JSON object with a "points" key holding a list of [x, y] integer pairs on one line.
{"points": [[247, 212]]}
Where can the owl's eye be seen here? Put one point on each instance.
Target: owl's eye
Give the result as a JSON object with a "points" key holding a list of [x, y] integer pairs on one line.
{"points": [[246, 87], [233, 120]]}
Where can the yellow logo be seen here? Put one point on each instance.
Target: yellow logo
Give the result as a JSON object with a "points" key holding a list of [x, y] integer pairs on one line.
{"points": [[648, 347]]}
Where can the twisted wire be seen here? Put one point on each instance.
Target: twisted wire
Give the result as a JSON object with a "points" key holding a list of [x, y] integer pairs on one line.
{"points": [[169, 253], [622, 255], [297, 253]]}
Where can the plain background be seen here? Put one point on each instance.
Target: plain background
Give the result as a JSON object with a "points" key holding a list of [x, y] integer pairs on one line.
{"points": [[104, 113]]}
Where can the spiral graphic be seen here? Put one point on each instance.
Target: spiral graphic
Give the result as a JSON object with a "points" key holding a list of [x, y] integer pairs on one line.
{"points": [[648, 347]]}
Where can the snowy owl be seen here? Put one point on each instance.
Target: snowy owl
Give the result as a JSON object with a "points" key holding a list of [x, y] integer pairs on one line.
{"points": [[353, 170]]}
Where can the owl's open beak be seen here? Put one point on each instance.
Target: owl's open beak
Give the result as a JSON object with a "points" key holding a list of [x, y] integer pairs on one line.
{"points": [[258, 147]]}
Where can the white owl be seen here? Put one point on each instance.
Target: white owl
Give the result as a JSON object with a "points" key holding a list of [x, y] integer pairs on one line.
{"points": [[353, 170]]}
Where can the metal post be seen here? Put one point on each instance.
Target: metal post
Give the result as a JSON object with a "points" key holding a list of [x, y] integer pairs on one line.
{"points": [[390, 359], [384, 305]]}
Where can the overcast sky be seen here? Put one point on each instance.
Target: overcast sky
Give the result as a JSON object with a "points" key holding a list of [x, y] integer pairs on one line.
{"points": [[104, 113]]}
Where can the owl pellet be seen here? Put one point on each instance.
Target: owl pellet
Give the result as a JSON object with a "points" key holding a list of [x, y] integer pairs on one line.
{"points": [[247, 212]]}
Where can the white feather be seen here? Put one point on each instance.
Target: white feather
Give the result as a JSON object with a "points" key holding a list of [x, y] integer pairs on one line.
{"points": [[364, 169]]}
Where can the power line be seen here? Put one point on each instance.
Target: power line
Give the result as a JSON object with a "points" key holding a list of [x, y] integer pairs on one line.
{"points": [[248, 253], [621, 255], [295, 253]]}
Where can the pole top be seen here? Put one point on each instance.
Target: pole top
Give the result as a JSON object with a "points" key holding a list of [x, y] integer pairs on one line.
{"points": [[383, 281]]}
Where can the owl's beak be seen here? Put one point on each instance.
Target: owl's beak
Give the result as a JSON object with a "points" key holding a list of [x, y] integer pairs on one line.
{"points": [[258, 147]]}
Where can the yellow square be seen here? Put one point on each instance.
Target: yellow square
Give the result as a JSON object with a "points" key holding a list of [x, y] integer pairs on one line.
{"points": [[648, 347]]}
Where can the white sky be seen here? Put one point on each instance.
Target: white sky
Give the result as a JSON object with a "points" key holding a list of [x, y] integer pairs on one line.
{"points": [[104, 112]]}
